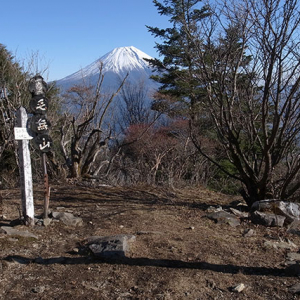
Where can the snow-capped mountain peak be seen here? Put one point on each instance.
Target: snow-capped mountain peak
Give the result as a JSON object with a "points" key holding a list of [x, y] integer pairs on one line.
{"points": [[120, 61], [115, 66], [125, 58]]}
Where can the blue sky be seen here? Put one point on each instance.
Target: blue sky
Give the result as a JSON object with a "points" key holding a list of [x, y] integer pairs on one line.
{"points": [[67, 35]]}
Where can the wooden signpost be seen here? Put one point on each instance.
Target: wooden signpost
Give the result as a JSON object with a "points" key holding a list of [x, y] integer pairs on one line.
{"points": [[21, 134], [39, 127]]}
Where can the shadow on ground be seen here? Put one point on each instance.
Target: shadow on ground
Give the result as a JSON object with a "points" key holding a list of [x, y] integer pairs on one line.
{"points": [[163, 263]]}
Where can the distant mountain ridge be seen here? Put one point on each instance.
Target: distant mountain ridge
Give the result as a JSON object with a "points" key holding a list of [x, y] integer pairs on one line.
{"points": [[116, 64]]}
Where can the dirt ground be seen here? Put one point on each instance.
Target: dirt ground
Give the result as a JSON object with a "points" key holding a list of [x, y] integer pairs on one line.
{"points": [[178, 254]]}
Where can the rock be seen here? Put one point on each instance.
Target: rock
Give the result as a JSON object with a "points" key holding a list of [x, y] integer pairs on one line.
{"points": [[210, 283], [47, 222], [293, 256], [267, 219], [224, 217], [38, 289], [38, 222], [212, 209], [265, 205], [295, 289], [248, 232], [110, 246], [67, 218], [289, 210], [282, 245], [239, 288], [12, 240], [60, 208], [294, 227], [15, 232], [239, 213]]}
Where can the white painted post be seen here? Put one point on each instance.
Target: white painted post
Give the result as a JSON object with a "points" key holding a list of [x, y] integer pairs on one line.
{"points": [[25, 169]]}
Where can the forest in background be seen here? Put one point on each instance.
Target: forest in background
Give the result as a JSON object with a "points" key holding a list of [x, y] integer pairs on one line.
{"points": [[226, 115]]}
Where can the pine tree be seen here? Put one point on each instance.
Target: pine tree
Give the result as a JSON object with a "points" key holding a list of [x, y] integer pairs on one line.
{"points": [[177, 68], [13, 94]]}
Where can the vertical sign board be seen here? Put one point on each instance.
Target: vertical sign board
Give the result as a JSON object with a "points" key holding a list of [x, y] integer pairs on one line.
{"points": [[40, 126], [23, 138]]}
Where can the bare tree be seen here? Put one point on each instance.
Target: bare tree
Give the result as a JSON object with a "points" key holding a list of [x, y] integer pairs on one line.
{"points": [[134, 106], [241, 70], [83, 131], [159, 155]]}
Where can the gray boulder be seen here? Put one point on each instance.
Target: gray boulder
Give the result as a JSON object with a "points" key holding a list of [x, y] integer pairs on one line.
{"points": [[110, 246], [224, 217], [295, 289], [67, 218], [289, 210], [15, 232], [267, 219]]}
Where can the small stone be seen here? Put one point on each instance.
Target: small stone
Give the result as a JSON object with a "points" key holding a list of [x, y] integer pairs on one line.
{"points": [[38, 289], [12, 239], [67, 218], [15, 232], [38, 222], [121, 226], [192, 227], [223, 217], [212, 209], [239, 213], [239, 288], [293, 256], [295, 289], [60, 208], [248, 232], [210, 283], [47, 222], [280, 245]]}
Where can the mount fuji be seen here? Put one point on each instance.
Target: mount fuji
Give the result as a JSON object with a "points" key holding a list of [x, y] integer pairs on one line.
{"points": [[115, 65]]}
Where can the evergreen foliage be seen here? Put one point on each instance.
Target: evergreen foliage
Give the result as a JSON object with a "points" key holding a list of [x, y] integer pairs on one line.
{"points": [[236, 69], [13, 94]]}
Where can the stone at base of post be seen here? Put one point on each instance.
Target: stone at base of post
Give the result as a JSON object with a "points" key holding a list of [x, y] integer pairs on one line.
{"points": [[29, 221]]}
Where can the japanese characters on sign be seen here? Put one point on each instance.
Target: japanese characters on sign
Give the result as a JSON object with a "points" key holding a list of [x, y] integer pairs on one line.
{"points": [[38, 123], [39, 104], [43, 142]]}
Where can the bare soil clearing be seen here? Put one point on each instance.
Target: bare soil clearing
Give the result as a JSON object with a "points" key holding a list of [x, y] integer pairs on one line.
{"points": [[178, 254]]}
